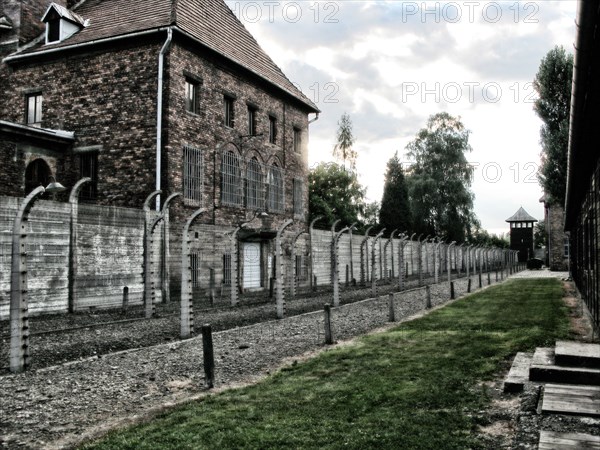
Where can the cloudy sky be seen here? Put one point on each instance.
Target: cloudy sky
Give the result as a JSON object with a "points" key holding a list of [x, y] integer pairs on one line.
{"points": [[391, 64]]}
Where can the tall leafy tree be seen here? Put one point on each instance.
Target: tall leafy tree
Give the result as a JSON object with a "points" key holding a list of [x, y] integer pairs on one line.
{"points": [[371, 215], [553, 85], [395, 207], [335, 193], [439, 181], [343, 150]]}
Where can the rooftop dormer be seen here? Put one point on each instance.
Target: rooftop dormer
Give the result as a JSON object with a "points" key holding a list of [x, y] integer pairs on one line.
{"points": [[61, 23]]}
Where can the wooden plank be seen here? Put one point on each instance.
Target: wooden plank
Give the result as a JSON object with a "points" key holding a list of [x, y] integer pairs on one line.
{"points": [[550, 440], [577, 354], [519, 373], [578, 400]]}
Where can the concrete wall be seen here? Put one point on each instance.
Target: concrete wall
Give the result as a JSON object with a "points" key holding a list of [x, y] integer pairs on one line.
{"points": [[47, 255], [110, 256]]}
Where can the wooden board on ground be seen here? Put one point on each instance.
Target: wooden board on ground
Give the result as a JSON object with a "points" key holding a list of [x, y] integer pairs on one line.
{"points": [[519, 373], [572, 399], [577, 354], [550, 440]]}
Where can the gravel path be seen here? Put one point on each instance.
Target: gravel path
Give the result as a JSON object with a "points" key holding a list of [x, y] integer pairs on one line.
{"points": [[57, 407]]}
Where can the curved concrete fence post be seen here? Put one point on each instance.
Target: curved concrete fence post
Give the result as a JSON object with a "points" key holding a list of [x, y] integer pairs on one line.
{"points": [[165, 272], [374, 265], [450, 261], [294, 277], [364, 258], [74, 203], [149, 288], [187, 313], [310, 251], [280, 294], [335, 266], [350, 229], [19, 309], [147, 220], [401, 246]]}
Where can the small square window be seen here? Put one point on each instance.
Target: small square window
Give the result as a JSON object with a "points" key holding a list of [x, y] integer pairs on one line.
{"points": [[192, 91], [34, 110], [272, 130], [229, 110], [251, 120], [297, 140]]}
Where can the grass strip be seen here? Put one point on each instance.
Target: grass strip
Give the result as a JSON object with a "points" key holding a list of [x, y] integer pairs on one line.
{"points": [[417, 386]]}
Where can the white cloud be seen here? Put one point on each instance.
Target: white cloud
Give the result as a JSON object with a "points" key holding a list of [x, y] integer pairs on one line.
{"points": [[376, 50]]}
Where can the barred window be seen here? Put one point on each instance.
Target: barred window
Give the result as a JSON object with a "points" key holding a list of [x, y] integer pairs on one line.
{"points": [[195, 268], [192, 176], [231, 180], [88, 167], [254, 185], [275, 194], [227, 269], [298, 197]]}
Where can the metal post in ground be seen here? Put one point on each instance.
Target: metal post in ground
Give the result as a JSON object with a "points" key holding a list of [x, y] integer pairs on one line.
{"points": [[428, 297], [328, 334], [209, 356], [392, 311]]}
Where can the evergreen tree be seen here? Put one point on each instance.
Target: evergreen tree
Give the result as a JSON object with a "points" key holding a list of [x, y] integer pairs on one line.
{"points": [[395, 207]]}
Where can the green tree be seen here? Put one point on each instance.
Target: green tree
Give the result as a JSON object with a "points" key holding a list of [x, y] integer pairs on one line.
{"points": [[440, 179], [335, 193], [540, 236], [553, 85], [370, 216], [343, 150], [395, 207], [482, 237]]}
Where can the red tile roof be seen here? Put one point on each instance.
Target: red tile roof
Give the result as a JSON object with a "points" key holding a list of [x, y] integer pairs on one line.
{"points": [[211, 22]]}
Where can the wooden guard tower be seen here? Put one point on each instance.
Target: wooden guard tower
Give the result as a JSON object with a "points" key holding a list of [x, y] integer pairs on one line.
{"points": [[521, 234]]}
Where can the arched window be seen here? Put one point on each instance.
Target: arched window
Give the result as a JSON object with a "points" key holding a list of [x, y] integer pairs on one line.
{"points": [[275, 195], [36, 174], [254, 185], [231, 180]]}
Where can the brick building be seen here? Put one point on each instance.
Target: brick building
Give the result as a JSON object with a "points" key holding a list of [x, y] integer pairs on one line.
{"points": [[582, 203], [142, 95], [557, 250]]}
